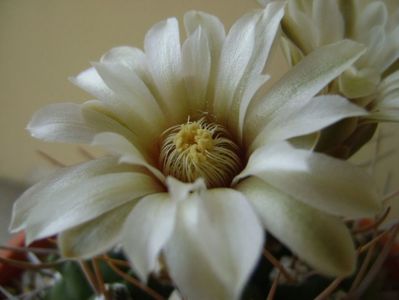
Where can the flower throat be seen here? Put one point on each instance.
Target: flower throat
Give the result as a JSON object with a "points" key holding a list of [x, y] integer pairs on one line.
{"points": [[199, 149]]}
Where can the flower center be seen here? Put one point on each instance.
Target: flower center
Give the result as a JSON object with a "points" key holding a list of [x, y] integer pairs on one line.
{"points": [[200, 149]]}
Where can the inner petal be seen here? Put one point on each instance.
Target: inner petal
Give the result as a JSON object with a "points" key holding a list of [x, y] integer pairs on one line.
{"points": [[200, 149]]}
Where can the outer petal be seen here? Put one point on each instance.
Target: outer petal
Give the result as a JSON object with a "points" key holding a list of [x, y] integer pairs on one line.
{"points": [[129, 86], [91, 82], [318, 113], [355, 84], [329, 21], [62, 122], [58, 181], [299, 85], [133, 58], [128, 152], [214, 30], [321, 240], [215, 245], [196, 69], [146, 231], [375, 14], [162, 48], [326, 183], [387, 104], [97, 115], [118, 105], [96, 236], [72, 205], [291, 52], [299, 27], [243, 55]]}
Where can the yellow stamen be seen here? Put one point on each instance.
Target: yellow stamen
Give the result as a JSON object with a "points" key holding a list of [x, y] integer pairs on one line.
{"points": [[199, 149]]}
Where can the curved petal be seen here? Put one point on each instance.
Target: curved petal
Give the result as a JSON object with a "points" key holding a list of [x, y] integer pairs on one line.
{"points": [[89, 81], [97, 115], [326, 183], [146, 231], [215, 33], [300, 84], [128, 85], [61, 122], [215, 246], [291, 52], [375, 14], [96, 236], [317, 114], [355, 83], [120, 106], [243, 56], [131, 57], [299, 27], [127, 151], [58, 181], [321, 240], [73, 205], [162, 48], [329, 21], [389, 84], [179, 191], [196, 70]]}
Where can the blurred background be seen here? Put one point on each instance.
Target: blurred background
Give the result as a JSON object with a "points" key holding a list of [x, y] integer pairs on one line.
{"points": [[43, 42]]}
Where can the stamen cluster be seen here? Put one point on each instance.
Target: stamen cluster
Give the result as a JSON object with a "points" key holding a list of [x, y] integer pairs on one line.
{"points": [[200, 149]]}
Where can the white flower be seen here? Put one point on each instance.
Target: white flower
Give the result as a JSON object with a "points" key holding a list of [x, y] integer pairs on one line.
{"points": [[203, 163], [310, 24]]}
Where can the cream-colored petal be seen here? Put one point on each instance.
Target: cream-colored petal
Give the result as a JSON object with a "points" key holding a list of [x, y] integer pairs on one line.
{"points": [[265, 34], [391, 50], [243, 56], [328, 21], [61, 122], [390, 100], [375, 14], [73, 205], [215, 33], [331, 185], [389, 84], [133, 91], [179, 191], [291, 52], [321, 240], [300, 84], [131, 57], [317, 114], [252, 87], [146, 231], [355, 83], [90, 81], [196, 58], [163, 50], [385, 115], [127, 151], [376, 42], [215, 246], [299, 27], [98, 116], [58, 181], [96, 236]]}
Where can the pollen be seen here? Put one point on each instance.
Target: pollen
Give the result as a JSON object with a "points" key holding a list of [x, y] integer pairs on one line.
{"points": [[198, 149]]}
